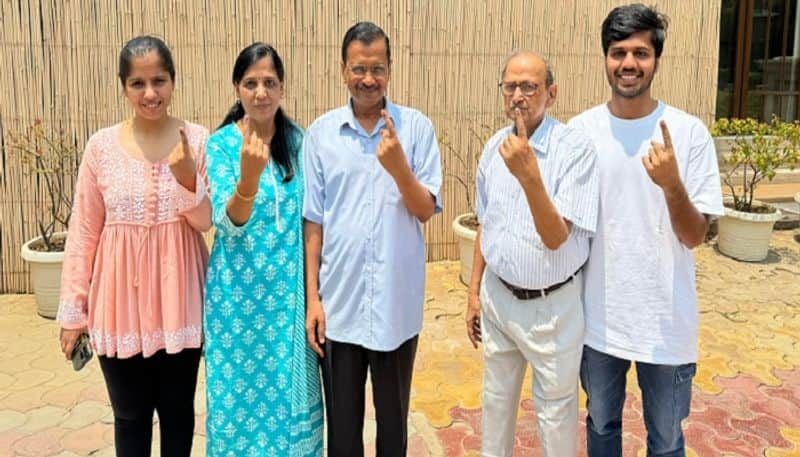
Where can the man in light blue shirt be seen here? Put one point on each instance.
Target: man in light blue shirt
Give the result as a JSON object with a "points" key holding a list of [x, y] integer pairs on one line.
{"points": [[372, 177], [537, 203]]}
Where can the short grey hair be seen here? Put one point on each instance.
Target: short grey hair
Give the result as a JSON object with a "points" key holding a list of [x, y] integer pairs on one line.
{"points": [[549, 76]]}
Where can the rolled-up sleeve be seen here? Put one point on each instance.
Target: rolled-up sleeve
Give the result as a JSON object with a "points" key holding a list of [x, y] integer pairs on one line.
{"points": [[426, 161], [313, 181], [481, 194], [702, 181], [577, 195]]}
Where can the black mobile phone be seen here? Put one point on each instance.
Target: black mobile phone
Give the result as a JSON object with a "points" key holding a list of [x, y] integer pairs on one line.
{"points": [[82, 352]]}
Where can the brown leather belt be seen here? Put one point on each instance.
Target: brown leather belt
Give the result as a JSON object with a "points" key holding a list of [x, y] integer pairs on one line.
{"points": [[530, 294]]}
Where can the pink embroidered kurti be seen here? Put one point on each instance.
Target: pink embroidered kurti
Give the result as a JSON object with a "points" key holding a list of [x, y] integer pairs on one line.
{"points": [[135, 260]]}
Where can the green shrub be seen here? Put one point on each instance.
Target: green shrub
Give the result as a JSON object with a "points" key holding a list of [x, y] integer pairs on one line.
{"points": [[759, 150]]}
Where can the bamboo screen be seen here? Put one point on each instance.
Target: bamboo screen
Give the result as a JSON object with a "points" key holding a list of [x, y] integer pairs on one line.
{"points": [[58, 63]]}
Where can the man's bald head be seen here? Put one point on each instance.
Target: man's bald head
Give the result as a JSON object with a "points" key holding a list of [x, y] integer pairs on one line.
{"points": [[535, 58]]}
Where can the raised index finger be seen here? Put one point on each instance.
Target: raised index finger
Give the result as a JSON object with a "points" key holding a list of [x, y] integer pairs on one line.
{"points": [[246, 129], [665, 134], [389, 122], [185, 141], [519, 122]]}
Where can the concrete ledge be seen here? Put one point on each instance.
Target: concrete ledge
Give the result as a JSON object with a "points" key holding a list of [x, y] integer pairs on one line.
{"points": [[776, 192]]}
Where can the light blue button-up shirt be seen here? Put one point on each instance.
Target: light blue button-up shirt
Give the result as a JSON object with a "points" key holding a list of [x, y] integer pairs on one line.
{"points": [[510, 243], [372, 272]]}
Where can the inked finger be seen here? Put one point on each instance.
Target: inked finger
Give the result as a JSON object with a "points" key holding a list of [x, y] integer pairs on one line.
{"points": [[247, 130], [389, 122], [665, 134], [184, 141], [519, 123]]}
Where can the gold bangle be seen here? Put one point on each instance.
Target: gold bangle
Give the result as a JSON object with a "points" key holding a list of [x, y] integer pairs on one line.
{"points": [[242, 197]]}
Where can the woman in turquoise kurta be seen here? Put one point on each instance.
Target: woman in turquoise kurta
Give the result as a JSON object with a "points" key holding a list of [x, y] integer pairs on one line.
{"points": [[262, 379]]}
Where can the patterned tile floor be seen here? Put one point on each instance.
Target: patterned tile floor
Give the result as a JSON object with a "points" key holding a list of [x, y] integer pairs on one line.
{"points": [[746, 393]]}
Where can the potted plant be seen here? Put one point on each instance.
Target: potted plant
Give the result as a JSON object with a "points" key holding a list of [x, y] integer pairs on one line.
{"points": [[52, 159], [465, 225], [751, 151]]}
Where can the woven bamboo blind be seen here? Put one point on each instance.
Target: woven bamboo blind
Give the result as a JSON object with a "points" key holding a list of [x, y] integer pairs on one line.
{"points": [[58, 63]]}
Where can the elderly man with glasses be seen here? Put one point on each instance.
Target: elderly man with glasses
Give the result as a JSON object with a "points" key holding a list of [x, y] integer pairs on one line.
{"points": [[537, 206], [372, 176]]}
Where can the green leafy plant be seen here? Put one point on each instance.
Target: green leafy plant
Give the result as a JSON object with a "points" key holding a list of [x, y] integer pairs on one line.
{"points": [[52, 157], [759, 149]]}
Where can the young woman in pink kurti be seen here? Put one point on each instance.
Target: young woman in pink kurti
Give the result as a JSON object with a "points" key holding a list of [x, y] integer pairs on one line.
{"points": [[135, 260]]}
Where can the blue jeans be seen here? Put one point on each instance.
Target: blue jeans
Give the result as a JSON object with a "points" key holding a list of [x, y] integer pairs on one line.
{"points": [[666, 397]]}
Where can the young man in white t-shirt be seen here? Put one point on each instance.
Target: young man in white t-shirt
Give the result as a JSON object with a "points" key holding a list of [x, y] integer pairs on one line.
{"points": [[659, 188]]}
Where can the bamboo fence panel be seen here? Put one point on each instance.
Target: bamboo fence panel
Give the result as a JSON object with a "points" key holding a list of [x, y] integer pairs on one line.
{"points": [[58, 63]]}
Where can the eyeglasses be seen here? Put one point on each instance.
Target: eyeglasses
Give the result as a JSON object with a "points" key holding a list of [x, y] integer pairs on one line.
{"points": [[377, 71], [528, 88]]}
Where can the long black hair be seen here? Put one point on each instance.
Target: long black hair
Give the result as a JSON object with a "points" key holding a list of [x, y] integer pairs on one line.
{"points": [[284, 145]]}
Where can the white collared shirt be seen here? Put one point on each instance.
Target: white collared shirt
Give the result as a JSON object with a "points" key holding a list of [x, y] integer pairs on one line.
{"points": [[510, 243]]}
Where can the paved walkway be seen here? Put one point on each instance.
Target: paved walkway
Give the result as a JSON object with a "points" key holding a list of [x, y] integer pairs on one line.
{"points": [[746, 393]]}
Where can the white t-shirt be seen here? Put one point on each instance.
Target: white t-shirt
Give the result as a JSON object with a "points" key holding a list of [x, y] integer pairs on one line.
{"points": [[639, 293]]}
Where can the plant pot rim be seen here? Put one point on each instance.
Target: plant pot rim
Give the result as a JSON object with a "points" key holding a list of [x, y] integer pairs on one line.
{"points": [[747, 136], [755, 217], [462, 231], [30, 255]]}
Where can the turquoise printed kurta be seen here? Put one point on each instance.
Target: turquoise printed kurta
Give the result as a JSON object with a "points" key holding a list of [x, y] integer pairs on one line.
{"points": [[263, 387]]}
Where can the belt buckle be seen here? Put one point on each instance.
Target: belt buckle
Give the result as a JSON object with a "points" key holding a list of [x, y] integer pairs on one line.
{"points": [[532, 294], [528, 294]]}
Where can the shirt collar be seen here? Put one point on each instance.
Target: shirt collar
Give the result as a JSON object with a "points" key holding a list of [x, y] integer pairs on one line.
{"points": [[540, 140], [348, 118]]}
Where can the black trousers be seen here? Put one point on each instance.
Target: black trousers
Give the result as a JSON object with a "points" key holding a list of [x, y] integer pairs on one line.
{"points": [[138, 386], [344, 374]]}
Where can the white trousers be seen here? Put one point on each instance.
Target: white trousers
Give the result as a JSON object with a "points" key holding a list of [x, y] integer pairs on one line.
{"points": [[547, 333]]}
